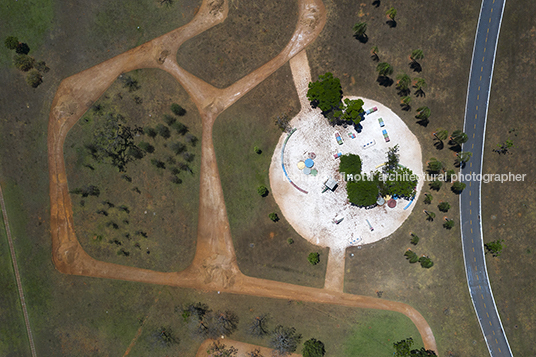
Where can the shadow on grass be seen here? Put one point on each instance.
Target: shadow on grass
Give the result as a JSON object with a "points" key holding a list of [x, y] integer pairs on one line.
{"points": [[423, 122], [376, 3], [439, 144], [361, 38], [384, 81], [391, 23], [415, 66]]}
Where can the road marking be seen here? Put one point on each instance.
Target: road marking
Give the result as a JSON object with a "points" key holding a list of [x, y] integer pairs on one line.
{"points": [[472, 232], [482, 295], [474, 259], [470, 212], [487, 314], [490, 323], [469, 203], [497, 342], [483, 59], [470, 195], [472, 241], [472, 146], [473, 249], [492, 10], [487, 32], [469, 183], [476, 109], [478, 87], [481, 69], [499, 349], [477, 278], [484, 49], [480, 77], [477, 97], [475, 124], [471, 221], [474, 133], [489, 20], [471, 164], [486, 40], [486, 308]]}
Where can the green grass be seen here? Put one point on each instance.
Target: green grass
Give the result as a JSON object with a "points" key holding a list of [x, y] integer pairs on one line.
{"points": [[13, 336], [27, 20], [375, 334]]}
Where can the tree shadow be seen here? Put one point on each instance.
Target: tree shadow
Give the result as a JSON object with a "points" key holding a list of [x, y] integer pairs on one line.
{"points": [[361, 38], [420, 93], [415, 66], [384, 81], [439, 144], [454, 146], [376, 3], [375, 57], [423, 122], [405, 107], [404, 92], [391, 23]]}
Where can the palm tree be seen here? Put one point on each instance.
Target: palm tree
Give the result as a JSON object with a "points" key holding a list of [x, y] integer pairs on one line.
{"points": [[423, 113], [419, 85], [374, 54], [414, 239], [403, 83], [449, 223], [416, 55], [384, 69], [463, 157], [444, 206], [360, 29], [391, 13], [428, 198], [459, 137], [458, 187], [434, 165], [430, 215], [436, 185], [405, 103], [441, 134]]}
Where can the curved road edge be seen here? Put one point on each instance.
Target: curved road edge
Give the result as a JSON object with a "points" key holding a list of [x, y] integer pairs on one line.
{"points": [[476, 110]]}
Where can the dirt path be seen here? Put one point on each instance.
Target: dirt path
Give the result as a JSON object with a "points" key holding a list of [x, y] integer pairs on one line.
{"points": [[17, 275], [214, 266], [242, 348]]}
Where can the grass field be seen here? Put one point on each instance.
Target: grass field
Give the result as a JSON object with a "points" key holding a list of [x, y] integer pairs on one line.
{"points": [[508, 208], [13, 336]]}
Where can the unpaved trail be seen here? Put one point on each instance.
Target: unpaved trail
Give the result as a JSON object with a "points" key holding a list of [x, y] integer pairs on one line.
{"points": [[214, 266], [242, 348]]}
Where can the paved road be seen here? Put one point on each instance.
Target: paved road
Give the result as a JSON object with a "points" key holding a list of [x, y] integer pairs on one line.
{"points": [[476, 110]]}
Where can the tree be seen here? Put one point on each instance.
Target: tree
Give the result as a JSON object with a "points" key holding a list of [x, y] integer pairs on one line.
{"points": [[458, 187], [41, 66], [177, 110], [436, 185], [23, 62], [441, 134], [169, 119], [22, 48], [314, 258], [135, 152], [374, 54], [360, 29], [423, 113], [426, 262], [262, 190], [405, 103], [150, 132], [257, 150], [463, 156], [414, 239], [495, 247], [449, 223], [364, 192], [419, 85], [393, 159], [326, 93], [11, 42], [422, 353], [350, 164], [158, 163], [384, 69], [391, 13], [180, 128], [443, 206], [411, 256], [503, 148], [282, 122], [178, 147], [213, 324], [218, 349], [429, 215], [167, 3], [255, 353], [458, 137], [259, 326], [403, 83], [403, 348], [313, 348], [163, 131], [130, 83], [402, 184], [273, 216], [284, 340], [416, 55], [352, 110], [428, 198], [434, 165], [449, 175], [164, 336], [34, 78]]}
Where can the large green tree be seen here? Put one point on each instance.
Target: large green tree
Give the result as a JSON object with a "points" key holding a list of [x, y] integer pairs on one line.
{"points": [[495, 247], [350, 164], [352, 110], [11, 42], [326, 93], [313, 348], [384, 69], [363, 193]]}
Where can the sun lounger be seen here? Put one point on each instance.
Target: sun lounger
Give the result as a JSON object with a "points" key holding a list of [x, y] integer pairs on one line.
{"points": [[369, 144], [382, 124], [338, 137]]}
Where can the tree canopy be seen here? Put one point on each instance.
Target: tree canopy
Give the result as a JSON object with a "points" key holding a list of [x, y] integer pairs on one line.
{"points": [[284, 339], [350, 164], [326, 93], [352, 110], [363, 193], [313, 348]]}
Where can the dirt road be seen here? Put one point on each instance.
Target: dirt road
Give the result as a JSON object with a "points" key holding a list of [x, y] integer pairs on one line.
{"points": [[214, 266]]}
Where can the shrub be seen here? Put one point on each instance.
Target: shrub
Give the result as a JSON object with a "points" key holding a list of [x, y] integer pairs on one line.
{"points": [[191, 139], [314, 258], [414, 239], [428, 198], [11, 42], [175, 180], [178, 148], [458, 187], [159, 164], [411, 256], [363, 193], [135, 152], [290, 241], [150, 132], [257, 150], [163, 131], [426, 262], [313, 348], [494, 247], [178, 110], [350, 164], [189, 157], [444, 206], [273, 216], [436, 185], [34, 78], [262, 190], [448, 224], [41, 66], [23, 62], [145, 146], [180, 128], [169, 120]]}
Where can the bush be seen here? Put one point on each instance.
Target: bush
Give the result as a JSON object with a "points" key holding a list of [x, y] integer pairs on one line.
{"points": [[42, 67], [191, 139], [11, 42], [448, 224], [178, 110], [414, 239], [314, 258], [444, 206], [313, 348], [411, 256], [150, 132], [145, 146], [135, 152], [178, 148], [458, 187], [159, 164], [34, 78], [273, 216], [22, 48], [363, 193], [257, 150], [180, 128], [262, 190], [436, 185], [350, 164], [494, 247], [284, 340], [426, 262], [290, 241], [169, 120], [23, 62]]}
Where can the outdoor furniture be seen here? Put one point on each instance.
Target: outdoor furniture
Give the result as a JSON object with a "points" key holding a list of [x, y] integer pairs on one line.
{"points": [[351, 135], [337, 155], [338, 137], [369, 144], [385, 136], [314, 172], [312, 155], [309, 163], [301, 165], [331, 184], [382, 124], [370, 226], [307, 171], [371, 110], [391, 203]]}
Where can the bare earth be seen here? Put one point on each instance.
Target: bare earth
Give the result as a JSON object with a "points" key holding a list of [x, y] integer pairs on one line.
{"points": [[242, 348], [214, 266]]}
